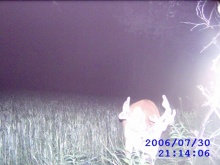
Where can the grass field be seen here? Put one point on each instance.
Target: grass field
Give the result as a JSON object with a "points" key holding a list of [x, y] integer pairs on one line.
{"points": [[52, 129]]}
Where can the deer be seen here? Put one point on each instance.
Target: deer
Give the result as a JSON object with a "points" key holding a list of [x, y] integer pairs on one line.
{"points": [[142, 121]]}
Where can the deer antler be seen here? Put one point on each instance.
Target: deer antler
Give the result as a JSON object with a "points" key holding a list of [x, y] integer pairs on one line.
{"points": [[126, 105], [168, 117], [125, 109]]}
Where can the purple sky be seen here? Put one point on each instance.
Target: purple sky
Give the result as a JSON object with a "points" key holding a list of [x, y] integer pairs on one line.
{"points": [[138, 49]]}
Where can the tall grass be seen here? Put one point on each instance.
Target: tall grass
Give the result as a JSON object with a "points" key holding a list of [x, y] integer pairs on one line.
{"points": [[38, 129], [49, 129]]}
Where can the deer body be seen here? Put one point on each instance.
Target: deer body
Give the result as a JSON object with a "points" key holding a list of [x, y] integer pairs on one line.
{"points": [[142, 121]]}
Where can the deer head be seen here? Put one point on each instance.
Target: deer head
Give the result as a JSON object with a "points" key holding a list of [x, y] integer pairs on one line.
{"points": [[142, 121]]}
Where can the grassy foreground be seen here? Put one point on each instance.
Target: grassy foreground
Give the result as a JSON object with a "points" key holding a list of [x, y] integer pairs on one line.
{"points": [[50, 129]]}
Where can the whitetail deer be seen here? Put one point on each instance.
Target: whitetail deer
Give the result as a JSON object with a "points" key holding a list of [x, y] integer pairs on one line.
{"points": [[142, 121]]}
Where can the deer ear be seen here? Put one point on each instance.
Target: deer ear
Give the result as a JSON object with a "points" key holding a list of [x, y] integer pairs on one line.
{"points": [[122, 116]]}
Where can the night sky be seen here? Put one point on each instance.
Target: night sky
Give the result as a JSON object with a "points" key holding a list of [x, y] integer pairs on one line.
{"points": [[114, 49]]}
